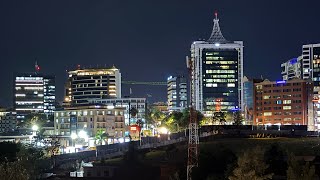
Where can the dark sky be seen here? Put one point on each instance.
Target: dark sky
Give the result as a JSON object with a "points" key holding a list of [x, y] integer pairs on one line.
{"points": [[148, 40]]}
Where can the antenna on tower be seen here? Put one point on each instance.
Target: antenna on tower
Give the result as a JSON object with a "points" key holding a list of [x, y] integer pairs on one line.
{"points": [[36, 66], [216, 14]]}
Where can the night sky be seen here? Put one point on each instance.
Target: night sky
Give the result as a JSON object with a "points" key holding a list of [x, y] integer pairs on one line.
{"points": [[147, 40]]}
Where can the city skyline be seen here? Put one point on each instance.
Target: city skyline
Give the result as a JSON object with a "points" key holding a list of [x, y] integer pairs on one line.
{"points": [[62, 35]]}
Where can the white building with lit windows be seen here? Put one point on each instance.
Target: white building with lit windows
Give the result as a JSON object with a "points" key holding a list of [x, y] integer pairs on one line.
{"points": [[90, 119], [177, 93], [34, 93], [218, 72]]}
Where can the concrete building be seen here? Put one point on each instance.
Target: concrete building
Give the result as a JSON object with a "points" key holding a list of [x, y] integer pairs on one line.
{"points": [[127, 103], [306, 67], [34, 93], [90, 119], [284, 103], [8, 121], [218, 73], [177, 93], [86, 84], [292, 69]]}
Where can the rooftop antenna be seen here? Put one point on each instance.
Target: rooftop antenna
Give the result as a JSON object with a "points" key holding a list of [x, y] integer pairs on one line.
{"points": [[36, 66]]}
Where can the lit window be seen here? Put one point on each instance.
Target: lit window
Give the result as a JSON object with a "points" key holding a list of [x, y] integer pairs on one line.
{"points": [[266, 97], [267, 113], [286, 101], [286, 107], [231, 85]]}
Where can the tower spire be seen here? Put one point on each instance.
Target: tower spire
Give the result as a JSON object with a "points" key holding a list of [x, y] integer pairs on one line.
{"points": [[216, 35]]}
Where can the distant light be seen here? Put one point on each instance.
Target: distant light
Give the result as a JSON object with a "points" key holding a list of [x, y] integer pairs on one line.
{"points": [[170, 77], [83, 134], [280, 82], [35, 128], [73, 136], [217, 44], [163, 130], [110, 107], [121, 140]]}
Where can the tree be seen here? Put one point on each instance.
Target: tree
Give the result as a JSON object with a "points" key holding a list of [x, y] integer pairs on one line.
{"points": [[237, 118], [13, 171], [299, 170], [219, 117], [180, 120], [251, 165], [34, 119], [100, 136]]}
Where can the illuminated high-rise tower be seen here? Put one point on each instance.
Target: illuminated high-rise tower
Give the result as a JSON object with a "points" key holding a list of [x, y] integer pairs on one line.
{"points": [[218, 73], [34, 93], [85, 85]]}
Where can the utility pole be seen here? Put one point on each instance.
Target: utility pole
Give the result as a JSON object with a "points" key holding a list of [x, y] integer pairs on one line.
{"points": [[193, 143]]}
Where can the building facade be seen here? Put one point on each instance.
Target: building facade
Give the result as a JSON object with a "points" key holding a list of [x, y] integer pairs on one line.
{"points": [[34, 93], [86, 84], [292, 69], [177, 93], [248, 96], [307, 67], [90, 119], [284, 103], [218, 72], [128, 103], [8, 121]]}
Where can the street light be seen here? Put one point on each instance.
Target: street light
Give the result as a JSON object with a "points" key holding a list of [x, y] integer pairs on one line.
{"points": [[83, 134], [35, 128]]}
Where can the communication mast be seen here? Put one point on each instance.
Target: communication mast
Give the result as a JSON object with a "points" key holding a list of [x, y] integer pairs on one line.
{"points": [[193, 144]]}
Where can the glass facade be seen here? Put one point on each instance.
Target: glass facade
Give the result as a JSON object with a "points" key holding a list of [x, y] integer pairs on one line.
{"points": [[220, 79], [34, 93]]}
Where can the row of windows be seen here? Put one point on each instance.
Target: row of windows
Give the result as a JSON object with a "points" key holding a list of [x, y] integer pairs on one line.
{"points": [[279, 119], [259, 108], [277, 85], [220, 71], [279, 113], [220, 62], [85, 113]]}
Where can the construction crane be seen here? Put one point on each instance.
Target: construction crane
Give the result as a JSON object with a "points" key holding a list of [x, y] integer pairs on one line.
{"points": [[161, 83], [193, 143]]}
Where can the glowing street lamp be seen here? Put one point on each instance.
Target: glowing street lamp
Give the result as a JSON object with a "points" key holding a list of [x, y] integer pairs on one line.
{"points": [[35, 128], [74, 136]]}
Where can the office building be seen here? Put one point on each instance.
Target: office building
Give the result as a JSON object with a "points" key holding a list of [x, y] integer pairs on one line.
{"points": [[90, 119], [292, 69], [86, 84], [307, 67], [34, 93], [177, 93], [248, 89], [284, 103], [218, 72], [8, 121]]}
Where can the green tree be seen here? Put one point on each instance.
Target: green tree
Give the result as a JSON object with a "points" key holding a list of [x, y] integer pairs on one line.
{"points": [[34, 119], [237, 118], [100, 136], [251, 166], [299, 170], [13, 171], [33, 160], [219, 117]]}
